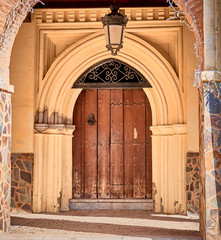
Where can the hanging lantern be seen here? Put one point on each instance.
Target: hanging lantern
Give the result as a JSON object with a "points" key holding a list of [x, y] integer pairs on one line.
{"points": [[114, 27]]}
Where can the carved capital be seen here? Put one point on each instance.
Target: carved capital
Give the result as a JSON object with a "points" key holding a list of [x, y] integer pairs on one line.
{"points": [[166, 130], [211, 76], [61, 129]]}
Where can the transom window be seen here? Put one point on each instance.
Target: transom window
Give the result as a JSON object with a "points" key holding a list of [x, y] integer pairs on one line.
{"points": [[111, 74]]}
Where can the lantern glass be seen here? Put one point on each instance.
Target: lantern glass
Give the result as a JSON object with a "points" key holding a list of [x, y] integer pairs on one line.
{"points": [[114, 37]]}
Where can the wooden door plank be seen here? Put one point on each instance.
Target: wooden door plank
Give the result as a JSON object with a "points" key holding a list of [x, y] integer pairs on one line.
{"points": [[128, 116], [128, 143], [103, 143], [77, 150], [90, 152], [117, 116], [82, 145], [139, 116], [148, 149], [139, 144], [117, 159], [139, 96], [139, 174], [117, 178], [128, 170]]}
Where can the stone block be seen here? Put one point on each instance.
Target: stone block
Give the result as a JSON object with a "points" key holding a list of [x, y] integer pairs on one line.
{"points": [[24, 198], [16, 177], [27, 208], [20, 164], [28, 165], [26, 176]]}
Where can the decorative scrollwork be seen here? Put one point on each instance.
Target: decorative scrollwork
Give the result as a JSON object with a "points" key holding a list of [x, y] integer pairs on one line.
{"points": [[109, 73]]}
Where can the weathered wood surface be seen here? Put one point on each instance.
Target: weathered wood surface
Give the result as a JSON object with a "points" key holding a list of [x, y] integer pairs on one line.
{"points": [[112, 158]]}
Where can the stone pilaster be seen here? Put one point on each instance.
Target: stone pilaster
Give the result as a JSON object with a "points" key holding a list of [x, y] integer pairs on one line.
{"points": [[5, 160], [53, 167], [211, 123], [212, 160], [169, 168]]}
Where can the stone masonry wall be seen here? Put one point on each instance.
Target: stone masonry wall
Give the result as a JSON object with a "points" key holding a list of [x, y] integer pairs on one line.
{"points": [[22, 181], [5, 160], [193, 182], [212, 156], [193, 11]]}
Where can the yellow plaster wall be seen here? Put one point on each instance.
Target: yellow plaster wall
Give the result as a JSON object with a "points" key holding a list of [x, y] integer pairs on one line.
{"points": [[22, 68], [192, 96]]}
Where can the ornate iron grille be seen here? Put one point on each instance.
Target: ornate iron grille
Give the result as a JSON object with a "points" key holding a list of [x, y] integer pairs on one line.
{"points": [[111, 74]]}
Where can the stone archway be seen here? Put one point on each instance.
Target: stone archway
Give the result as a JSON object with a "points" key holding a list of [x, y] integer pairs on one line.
{"points": [[167, 104], [11, 30]]}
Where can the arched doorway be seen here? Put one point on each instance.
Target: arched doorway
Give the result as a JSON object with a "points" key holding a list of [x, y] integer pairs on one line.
{"points": [[169, 130], [112, 145]]}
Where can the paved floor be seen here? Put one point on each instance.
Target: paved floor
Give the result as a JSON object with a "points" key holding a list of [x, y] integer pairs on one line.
{"points": [[99, 225]]}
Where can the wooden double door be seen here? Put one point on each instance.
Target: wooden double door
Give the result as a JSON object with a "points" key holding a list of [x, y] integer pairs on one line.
{"points": [[112, 145]]}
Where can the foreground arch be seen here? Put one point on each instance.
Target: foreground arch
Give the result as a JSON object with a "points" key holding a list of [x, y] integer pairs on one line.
{"points": [[8, 5]]}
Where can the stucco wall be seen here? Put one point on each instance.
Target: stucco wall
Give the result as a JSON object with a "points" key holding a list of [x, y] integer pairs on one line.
{"points": [[192, 92], [22, 75]]}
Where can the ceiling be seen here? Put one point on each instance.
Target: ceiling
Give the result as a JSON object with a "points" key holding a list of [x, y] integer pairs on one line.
{"points": [[100, 3]]}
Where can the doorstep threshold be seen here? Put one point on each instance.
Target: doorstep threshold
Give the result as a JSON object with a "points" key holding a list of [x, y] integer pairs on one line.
{"points": [[111, 200], [111, 204]]}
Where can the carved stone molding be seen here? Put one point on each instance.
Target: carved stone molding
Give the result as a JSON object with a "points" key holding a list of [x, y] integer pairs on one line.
{"points": [[54, 129], [164, 130], [56, 124], [48, 16], [42, 117]]}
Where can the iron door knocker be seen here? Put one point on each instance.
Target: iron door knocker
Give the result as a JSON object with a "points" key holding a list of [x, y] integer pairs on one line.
{"points": [[91, 119]]}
